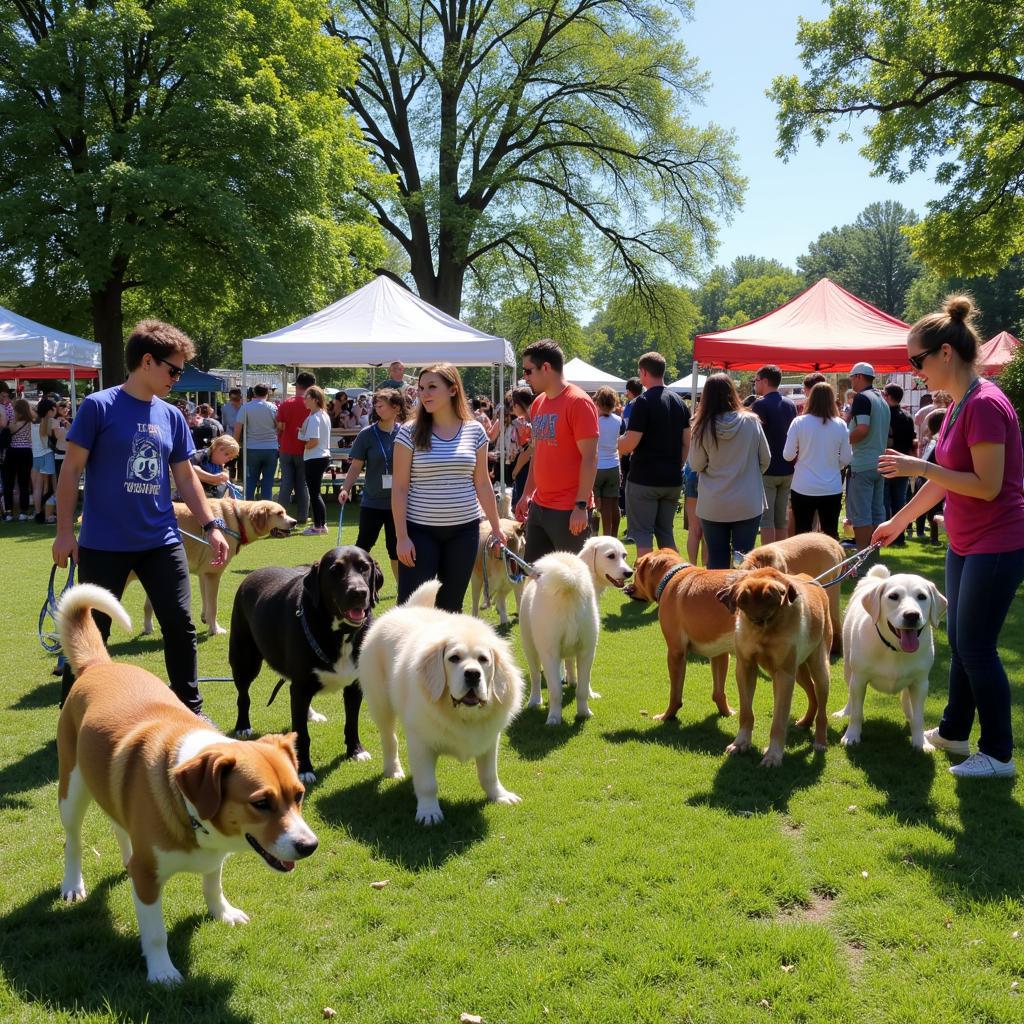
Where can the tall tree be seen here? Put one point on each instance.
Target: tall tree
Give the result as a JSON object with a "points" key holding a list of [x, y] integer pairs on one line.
{"points": [[199, 151], [936, 82], [755, 296], [507, 125]]}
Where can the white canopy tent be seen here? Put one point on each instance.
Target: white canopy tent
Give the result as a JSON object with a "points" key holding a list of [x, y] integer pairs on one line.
{"points": [[692, 384], [25, 343], [590, 378]]}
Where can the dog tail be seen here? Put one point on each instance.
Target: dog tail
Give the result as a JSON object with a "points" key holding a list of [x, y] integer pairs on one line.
{"points": [[425, 595], [879, 571], [79, 635]]}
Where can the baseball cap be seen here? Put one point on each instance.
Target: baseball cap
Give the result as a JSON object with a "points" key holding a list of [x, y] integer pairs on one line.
{"points": [[864, 369]]}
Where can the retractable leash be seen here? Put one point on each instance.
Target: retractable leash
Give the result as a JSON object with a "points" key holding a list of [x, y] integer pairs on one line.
{"points": [[511, 558], [235, 492], [50, 638], [854, 562]]}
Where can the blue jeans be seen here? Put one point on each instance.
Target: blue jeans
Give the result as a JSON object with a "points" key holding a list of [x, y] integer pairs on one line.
{"points": [[895, 495], [261, 464], [721, 537], [293, 478], [979, 589], [865, 497]]}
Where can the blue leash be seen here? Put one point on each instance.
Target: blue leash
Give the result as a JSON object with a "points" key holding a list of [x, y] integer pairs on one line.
{"points": [[341, 520], [50, 639]]}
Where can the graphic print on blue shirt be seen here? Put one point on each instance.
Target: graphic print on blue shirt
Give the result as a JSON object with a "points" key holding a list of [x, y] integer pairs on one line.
{"points": [[145, 463], [544, 426]]}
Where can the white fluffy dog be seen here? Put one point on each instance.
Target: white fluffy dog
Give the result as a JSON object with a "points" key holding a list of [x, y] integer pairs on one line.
{"points": [[558, 616], [452, 683], [888, 642]]}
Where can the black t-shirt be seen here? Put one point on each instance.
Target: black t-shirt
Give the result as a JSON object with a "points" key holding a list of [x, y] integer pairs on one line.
{"points": [[661, 418], [901, 431], [205, 431]]}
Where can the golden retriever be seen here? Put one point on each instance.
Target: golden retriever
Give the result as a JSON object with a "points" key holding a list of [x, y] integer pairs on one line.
{"points": [[499, 586], [452, 683]]}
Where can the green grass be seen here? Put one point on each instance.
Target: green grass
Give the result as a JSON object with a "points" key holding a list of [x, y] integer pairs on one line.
{"points": [[645, 876]]}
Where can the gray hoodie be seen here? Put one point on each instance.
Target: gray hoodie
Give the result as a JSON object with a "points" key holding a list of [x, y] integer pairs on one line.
{"points": [[731, 486]]}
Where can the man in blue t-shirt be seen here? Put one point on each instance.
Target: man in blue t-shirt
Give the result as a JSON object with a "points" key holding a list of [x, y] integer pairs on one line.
{"points": [[132, 442], [869, 435], [776, 412]]}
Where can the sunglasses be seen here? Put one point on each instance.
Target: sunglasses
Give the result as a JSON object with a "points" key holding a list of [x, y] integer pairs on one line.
{"points": [[174, 371], [917, 361]]}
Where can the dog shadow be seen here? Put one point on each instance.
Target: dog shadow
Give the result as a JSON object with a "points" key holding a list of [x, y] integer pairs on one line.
{"points": [[902, 776], [742, 787], [379, 813], [78, 960], [141, 644], [35, 769], [45, 695], [630, 614], [706, 736], [532, 739]]}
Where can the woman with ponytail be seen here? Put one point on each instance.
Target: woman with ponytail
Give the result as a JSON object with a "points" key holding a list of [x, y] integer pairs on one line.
{"points": [[979, 470]]}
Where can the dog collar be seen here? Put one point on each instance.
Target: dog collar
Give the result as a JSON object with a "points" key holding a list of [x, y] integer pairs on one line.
{"points": [[884, 641], [664, 579], [310, 639], [241, 535]]}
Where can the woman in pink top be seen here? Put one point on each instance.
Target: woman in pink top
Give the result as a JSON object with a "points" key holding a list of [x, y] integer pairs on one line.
{"points": [[979, 470]]}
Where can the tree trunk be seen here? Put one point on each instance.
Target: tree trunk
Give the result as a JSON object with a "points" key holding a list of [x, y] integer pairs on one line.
{"points": [[108, 328]]}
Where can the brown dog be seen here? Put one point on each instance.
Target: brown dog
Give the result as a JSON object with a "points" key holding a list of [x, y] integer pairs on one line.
{"points": [[181, 796], [783, 627], [247, 521], [499, 586], [810, 553], [692, 620]]}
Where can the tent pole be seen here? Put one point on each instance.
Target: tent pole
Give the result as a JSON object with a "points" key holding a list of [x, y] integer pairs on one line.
{"points": [[693, 390], [501, 437], [72, 389], [245, 461]]}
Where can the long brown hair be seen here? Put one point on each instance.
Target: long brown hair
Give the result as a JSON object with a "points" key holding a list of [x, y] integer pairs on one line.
{"points": [[822, 402], [424, 425], [718, 397]]}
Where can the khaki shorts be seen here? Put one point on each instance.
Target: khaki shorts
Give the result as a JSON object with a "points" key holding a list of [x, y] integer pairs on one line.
{"points": [[606, 483], [776, 492]]}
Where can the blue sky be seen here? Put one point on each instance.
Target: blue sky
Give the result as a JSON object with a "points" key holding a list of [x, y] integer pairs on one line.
{"points": [[744, 44]]}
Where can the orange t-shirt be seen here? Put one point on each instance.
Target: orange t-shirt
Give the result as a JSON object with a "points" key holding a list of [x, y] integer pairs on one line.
{"points": [[556, 425]]}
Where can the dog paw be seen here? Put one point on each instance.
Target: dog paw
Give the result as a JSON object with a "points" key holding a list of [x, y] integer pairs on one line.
{"points": [[849, 739], [738, 746], [394, 772], [503, 796], [820, 748], [359, 754], [74, 893], [554, 720], [307, 778], [245, 734], [583, 713], [312, 715], [218, 630], [534, 702], [231, 915], [165, 975], [771, 759], [841, 713], [429, 814], [146, 631], [664, 716]]}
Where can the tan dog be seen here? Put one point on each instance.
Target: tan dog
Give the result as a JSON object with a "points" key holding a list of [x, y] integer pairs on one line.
{"points": [[692, 620], [180, 795], [247, 521], [810, 553], [499, 586], [783, 626]]}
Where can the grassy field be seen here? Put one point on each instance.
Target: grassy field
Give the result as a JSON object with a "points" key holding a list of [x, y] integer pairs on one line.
{"points": [[644, 878]]}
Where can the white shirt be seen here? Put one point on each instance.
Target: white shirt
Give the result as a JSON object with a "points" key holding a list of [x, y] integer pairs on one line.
{"points": [[821, 450], [607, 441], [317, 425]]}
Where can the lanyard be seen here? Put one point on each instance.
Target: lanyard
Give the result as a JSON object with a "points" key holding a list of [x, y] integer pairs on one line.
{"points": [[947, 427], [378, 433]]}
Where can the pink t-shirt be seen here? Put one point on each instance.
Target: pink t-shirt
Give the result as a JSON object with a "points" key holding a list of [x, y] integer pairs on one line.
{"points": [[975, 526]]}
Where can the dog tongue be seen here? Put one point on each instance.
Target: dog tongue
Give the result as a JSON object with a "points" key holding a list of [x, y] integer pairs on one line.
{"points": [[909, 640]]}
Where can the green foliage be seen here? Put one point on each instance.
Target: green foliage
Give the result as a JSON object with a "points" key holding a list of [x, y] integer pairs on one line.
{"points": [[870, 258], [939, 86], [545, 141], [749, 287], [1011, 380], [195, 153]]}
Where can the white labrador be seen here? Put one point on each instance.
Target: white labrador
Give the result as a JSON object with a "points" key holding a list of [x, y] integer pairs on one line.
{"points": [[559, 619], [453, 684], [888, 642]]}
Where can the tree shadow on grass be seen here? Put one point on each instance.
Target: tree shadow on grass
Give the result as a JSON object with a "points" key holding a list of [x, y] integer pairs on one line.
{"points": [[741, 786], [902, 776], [35, 769], [709, 735], [76, 959], [380, 814], [45, 695], [532, 739]]}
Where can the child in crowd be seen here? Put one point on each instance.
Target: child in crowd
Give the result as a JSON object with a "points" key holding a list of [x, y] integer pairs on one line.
{"points": [[209, 464]]}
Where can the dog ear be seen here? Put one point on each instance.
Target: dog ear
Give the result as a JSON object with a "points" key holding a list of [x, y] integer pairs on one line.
{"points": [[311, 587], [259, 516], [284, 742], [728, 594], [506, 674], [792, 594], [939, 603], [872, 600], [376, 581], [588, 555], [432, 671], [201, 780]]}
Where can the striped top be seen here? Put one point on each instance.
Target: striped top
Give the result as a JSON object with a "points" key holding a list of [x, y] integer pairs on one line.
{"points": [[441, 489]]}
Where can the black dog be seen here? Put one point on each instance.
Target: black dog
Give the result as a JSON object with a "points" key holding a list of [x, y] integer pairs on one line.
{"points": [[307, 624]]}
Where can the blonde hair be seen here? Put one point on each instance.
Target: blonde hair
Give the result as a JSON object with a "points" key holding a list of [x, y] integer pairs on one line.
{"points": [[317, 394], [227, 443], [953, 326]]}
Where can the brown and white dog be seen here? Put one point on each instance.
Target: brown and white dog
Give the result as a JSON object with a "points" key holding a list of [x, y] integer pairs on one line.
{"points": [[498, 585], [692, 619], [783, 626], [810, 553], [247, 521], [180, 795]]}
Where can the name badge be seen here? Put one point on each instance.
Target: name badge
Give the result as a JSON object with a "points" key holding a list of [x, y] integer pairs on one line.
{"points": [[385, 481]]}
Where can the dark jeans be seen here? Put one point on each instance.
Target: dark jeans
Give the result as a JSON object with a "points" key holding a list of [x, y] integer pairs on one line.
{"points": [[724, 538], [371, 521], [314, 469], [826, 505], [18, 466], [446, 553], [163, 573], [895, 495], [519, 484], [979, 589], [547, 530]]}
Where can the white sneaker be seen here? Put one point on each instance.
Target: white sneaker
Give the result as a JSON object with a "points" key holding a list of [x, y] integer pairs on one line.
{"points": [[933, 739], [23, 518], [982, 766]]}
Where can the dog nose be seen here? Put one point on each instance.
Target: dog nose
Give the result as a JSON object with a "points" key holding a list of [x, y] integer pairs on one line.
{"points": [[628, 573], [912, 618], [472, 676], [304, 847]]}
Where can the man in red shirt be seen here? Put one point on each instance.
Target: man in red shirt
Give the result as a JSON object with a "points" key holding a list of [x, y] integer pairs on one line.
{"points": [[558, 494], [291, 414]]}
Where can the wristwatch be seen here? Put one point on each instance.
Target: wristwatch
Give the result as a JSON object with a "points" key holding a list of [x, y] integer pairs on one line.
{"points": [[215, 524], [581, 505]]}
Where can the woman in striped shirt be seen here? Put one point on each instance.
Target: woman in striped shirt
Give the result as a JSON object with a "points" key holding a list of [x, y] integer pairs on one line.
{"points": [[441, 489]]}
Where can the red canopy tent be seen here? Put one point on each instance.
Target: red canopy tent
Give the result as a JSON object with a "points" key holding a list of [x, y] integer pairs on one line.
{"points": [[824, 328], [995, 354]]}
